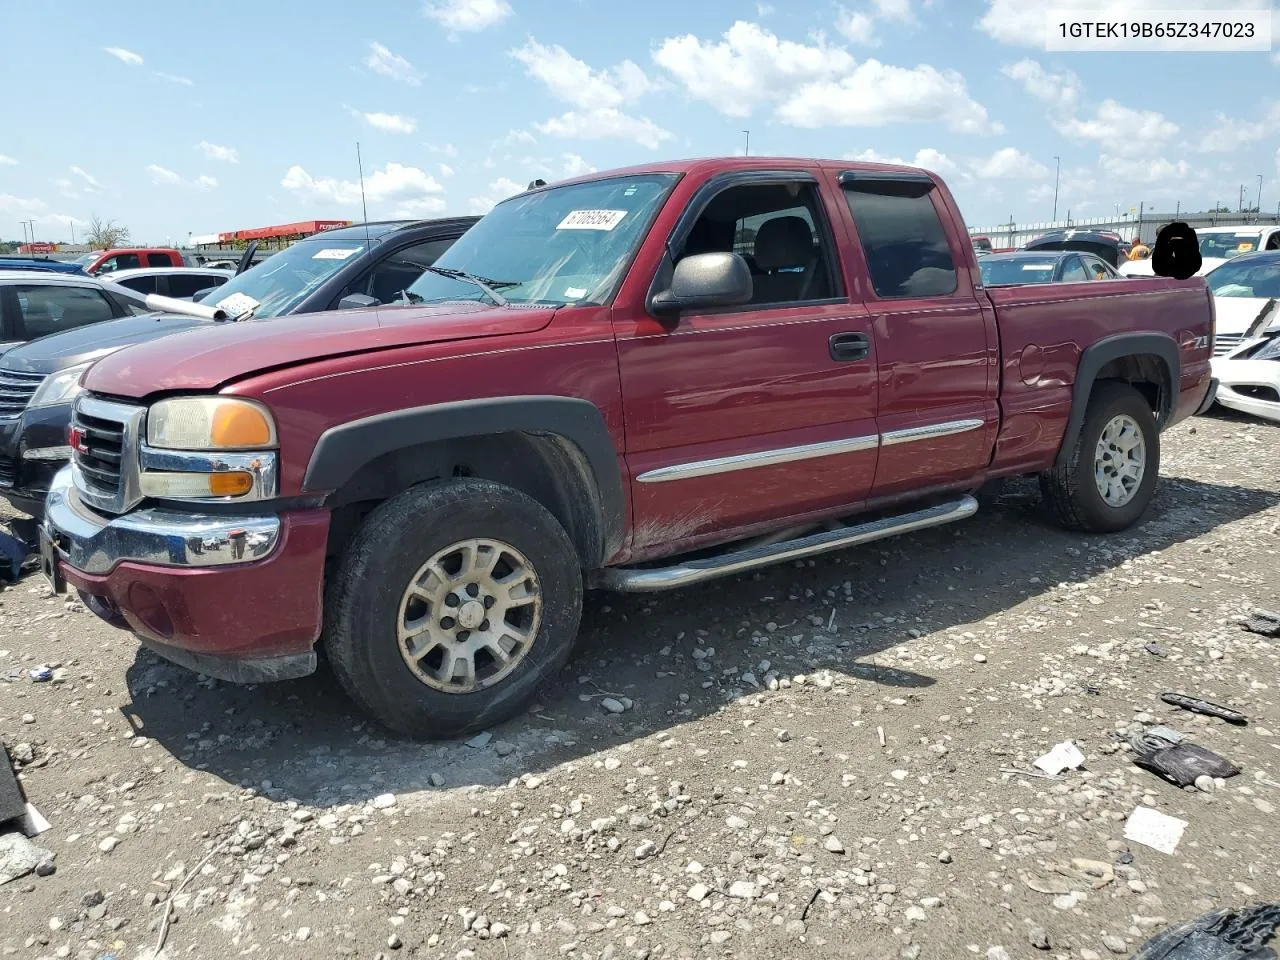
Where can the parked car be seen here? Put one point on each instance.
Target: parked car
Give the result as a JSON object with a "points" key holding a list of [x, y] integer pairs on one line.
{"points": [[1249, 376], [182, 283], [981, 244], [8, 262], [311, 276], [1014, 269], [130, 258], [1243, 289], [595, 387], [1217, 246], [1107, 246]]}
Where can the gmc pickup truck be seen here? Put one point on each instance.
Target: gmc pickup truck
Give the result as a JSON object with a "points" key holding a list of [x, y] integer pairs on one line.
{"points": [[635, 380]]}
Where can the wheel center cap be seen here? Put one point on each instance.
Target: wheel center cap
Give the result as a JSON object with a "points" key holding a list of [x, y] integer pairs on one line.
{"points": [[471, 614]]}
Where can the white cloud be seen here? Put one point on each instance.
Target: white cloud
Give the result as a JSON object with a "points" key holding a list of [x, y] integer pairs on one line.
{"points": [[446, 170], [91, 184], [420, 207], [165, 177], [23, 206], [7, 161], [575, 166], [764, 9], [860, 26], [927, 157], [875, 94], [176, 78], [386, 122], [514, 137], [499, 190], [447, 149], [394, 182], [123, 55], [1148, 170], [1113, 126], [1229, 134], [748, 67], [574, 81], [605, 123], [1010, 163], [468, 15], [382, 61], [216, 151]]}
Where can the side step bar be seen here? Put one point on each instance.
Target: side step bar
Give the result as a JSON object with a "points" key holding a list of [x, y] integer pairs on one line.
{"points": [[647, 580]]}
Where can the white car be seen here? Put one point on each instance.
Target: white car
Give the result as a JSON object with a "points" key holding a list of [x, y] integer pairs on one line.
{"points": [[181, 283], [1217, 246], [1246, 363]]}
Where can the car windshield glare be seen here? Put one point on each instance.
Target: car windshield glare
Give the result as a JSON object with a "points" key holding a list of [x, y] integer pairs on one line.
{"points": [[1246, 279], [284, 280], [1003, 273], [562, 245]]}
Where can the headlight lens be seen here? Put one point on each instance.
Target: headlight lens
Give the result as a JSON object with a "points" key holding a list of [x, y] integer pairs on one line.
{"points": [[210, 423], [59, 387]]}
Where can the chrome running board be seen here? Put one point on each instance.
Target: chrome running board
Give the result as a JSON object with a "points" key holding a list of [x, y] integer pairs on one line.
{"points": [[650, 579]]}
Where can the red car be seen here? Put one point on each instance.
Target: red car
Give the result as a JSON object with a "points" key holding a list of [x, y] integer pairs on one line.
{"points": [[98, 262], [755, 359]]}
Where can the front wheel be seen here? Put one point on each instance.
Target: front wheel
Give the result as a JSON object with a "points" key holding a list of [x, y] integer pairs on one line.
{"points": [[1109, 478], [452, 603]]}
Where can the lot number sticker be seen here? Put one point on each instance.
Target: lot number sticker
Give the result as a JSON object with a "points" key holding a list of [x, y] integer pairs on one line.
{"points": [[592, 220], [335, 253]]}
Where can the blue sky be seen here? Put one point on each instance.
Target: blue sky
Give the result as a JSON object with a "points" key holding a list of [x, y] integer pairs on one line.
{"points": [[176, 120]]}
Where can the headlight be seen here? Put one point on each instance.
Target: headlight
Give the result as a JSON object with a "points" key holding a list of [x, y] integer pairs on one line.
{"points": [[59, 387], [210, 423]]}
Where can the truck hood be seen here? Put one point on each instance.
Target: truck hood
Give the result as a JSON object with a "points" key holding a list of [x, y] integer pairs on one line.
{"points": [[61, 350], [204, 358]]}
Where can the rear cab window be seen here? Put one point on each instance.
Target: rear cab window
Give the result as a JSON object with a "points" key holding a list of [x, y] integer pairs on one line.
{"points": [[160, 260], [902, 236]]}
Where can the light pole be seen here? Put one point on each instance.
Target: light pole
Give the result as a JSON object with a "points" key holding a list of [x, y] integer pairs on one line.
{"points": [[1241, 210], [1259, 194], [32, 225], [1057, 171], [746, 145]]}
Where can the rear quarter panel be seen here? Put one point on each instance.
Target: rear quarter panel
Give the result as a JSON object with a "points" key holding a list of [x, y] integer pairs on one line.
{"points": [[1044, 331]]}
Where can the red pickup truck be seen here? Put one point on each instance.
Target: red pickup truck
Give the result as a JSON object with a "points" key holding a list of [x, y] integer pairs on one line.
{"points": [[99, 262], [635, 380]]}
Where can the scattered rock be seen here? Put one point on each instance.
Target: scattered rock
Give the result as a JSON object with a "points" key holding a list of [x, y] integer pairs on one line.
{"points": [[1038, 937]]}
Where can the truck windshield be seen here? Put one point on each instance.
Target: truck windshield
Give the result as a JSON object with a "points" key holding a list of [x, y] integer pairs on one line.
{"points": [[561, 245], [282, 281]]}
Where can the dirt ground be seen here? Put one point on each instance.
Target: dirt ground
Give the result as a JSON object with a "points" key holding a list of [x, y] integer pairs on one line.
{"points": [[814, 763]]}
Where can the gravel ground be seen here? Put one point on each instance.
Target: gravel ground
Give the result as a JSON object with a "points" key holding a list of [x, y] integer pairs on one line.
{"points": [[808, 761]]}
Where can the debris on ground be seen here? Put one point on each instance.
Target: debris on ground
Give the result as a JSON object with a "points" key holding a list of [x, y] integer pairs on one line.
{"points": [[1064, 756], [1154, 829], [19, 856], [1221, 935], [1185, 763], [1206, 707], [1264, 622], [1156, 650]]}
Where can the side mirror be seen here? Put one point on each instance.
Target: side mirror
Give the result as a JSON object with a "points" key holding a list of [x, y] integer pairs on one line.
{"points": [[356, 301], [706, 280]]}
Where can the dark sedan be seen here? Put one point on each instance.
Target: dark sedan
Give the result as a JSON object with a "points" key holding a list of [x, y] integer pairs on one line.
{"points": [[1013, 269]]}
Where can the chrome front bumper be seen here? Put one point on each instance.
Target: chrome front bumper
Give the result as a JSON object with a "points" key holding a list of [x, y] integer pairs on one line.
{"points": [[93, 544]]}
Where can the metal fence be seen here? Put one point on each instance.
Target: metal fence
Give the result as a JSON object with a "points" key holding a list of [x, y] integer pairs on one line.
{"points": [[1145, 225]]}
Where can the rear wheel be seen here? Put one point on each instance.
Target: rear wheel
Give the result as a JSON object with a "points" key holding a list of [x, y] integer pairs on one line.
{"points": [[1109, 478], [452, 603]]}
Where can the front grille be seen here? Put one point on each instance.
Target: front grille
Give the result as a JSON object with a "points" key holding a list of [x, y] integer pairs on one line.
{"points": [[16, 391], [8, 471], [1224, 343], [105, 453]]}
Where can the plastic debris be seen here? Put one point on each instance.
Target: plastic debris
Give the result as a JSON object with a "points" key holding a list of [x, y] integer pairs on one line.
{"points": [[1206, 707], [41, 674], [1222, 935], [1155, 649], [1185, 763], [1064, 756], [1154, 829]]}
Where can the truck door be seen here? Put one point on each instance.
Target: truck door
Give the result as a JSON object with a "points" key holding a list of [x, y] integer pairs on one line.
{"points": [[749, 414], [936, 345]]}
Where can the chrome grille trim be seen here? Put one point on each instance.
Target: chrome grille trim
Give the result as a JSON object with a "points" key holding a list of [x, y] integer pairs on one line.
{"points": [[16, 391], [107, 477]]}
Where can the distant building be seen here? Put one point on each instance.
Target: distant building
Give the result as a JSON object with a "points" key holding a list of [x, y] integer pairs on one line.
{"points": [[273, 237]]}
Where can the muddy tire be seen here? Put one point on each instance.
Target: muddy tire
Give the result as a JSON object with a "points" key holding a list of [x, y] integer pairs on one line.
{"points": [[1110, 476], [452, 603]]}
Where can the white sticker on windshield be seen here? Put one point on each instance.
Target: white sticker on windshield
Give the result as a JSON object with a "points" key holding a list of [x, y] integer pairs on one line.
{"points": [[237, 304], [575, 293], [591, 220], [1039, 267], [335, 253]]}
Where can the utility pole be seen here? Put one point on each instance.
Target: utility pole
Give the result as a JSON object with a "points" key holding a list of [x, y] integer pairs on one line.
{"points": [[746, 145], [1057, 171], [32, 225], [1259, 194], [1241, 210]]}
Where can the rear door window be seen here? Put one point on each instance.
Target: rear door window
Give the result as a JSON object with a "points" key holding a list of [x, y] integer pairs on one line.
{"points": [[188, 285], [902, 239], [54, 308], [143, 284], [1074, 271], [159, 260]]}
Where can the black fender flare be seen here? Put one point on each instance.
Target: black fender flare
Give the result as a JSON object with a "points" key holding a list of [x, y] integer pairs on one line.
{"points": [[1098, 355], [344, 450]]}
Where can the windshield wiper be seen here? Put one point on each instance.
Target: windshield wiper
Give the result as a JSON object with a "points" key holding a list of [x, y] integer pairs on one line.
{"points": [[490, 287]]}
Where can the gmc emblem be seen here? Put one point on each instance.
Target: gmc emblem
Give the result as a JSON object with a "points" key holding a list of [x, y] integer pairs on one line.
{"points": [[76, 439]]}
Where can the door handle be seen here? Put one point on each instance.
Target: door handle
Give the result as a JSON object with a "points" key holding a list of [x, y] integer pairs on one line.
{"points": [[850, 346]]}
